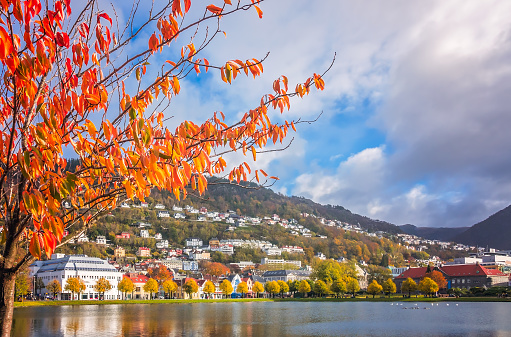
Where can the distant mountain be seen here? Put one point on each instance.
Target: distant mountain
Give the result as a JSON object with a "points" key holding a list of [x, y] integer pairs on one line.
{"points": [[493, 232], [434, 233]]}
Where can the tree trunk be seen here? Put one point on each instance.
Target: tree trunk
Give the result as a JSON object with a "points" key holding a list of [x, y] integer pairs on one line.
{"points": [[7, 282]]}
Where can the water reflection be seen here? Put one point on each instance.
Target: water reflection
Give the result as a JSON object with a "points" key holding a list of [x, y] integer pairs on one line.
{"points": [[265, 319]]}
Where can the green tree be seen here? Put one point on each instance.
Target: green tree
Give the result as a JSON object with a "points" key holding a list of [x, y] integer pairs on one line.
{"points": [[257, 288], [151, 287], [293, 286], [272, 288], [338, 287], [54, 287], [284, 287], [304, 287], [320, 288], [374, 288], [190, 287], [329, 271], [242, 288], [209, 288], [22, 285], [226, 287], [352, 285], [169, 287], [102, 285], [409, 286], [378, 273], [427, 286], [126, 286], [74, 285], [389, 287]]}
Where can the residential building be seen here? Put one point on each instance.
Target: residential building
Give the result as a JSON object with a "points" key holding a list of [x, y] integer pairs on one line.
{"points": [[281, 262], [159, 206], [173, 263], [162, 244], [123, 235], [293, 249], [163, 214], [286, 275], [139, 281], [272, 250], [119, 252], [90, 269], [144, 252], [101, 240], [193, 242], [214, 243], [144, 233], [190, 265]]}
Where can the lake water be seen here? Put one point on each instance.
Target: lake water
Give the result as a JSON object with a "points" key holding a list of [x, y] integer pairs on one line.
{"points": [[267, 319]]}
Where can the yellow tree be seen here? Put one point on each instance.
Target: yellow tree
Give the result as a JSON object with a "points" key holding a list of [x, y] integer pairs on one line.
{"points": [[338, 287], [126, 286], [209, 288], [374, 288], [86, 84], [190, 287], [284, 287], [427, 286], [389, 287], [151, 287], [409, 286], [257, 288], [226, 288], [272, 288], [352, 285], [320, 288], [169, 287], [23, 285], [102, 285], [242, 288], [74, 285], [304, 287], [54, 287]]}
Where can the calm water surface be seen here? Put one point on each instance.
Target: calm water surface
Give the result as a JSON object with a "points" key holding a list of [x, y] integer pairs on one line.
{"points": [[267, 319]]}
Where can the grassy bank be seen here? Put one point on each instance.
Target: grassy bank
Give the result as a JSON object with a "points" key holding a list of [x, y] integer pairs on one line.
{"points": [[329, 299]]}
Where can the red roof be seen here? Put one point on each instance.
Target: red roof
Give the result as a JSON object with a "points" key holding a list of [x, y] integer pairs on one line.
{"points": [[454, 271], [137, 278]]}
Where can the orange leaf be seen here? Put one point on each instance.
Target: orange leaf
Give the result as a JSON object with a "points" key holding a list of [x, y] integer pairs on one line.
{"points": [[214, 9], [228, 2], [254, 153], [259, 12]]}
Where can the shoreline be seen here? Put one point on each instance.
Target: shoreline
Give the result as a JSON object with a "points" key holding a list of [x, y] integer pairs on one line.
{"points": [[27, 304]]}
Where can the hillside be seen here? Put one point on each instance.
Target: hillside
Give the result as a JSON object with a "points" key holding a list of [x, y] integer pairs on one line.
{"points": [[493, 232], [434, 233]]}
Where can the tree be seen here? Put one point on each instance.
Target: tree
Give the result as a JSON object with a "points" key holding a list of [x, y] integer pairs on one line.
{"points": [[272, 288], [151, 287], [438, 277], [190, 287], [54, 287], [352, 285], [215, 269], [304, 287], [378, 273], [374, 288], [330, 271], [126, 286], [102, 285], [82, 83], [320, 288], [23, 285], [209, 288], [74, 285], [38, 284], [169, 287], [427, 286], [160, 274], [338, 287], [409, 286], [284, 287], [242, 288], [389, 287], [226, 287], [257, 288]]}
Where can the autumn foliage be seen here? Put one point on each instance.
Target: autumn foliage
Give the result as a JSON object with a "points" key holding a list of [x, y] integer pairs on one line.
{"points": [[69, 88]]}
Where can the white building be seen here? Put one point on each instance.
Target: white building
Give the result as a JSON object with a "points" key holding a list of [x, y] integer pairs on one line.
{"points": [[101, 240], [281, 262], [272, 251], [159, 206], [90, 269], [162, 244], [193, 242], [163, 214], [144, 233]]}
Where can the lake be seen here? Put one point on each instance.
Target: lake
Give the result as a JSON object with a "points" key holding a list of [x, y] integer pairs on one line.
{"points": [[267, 319]]}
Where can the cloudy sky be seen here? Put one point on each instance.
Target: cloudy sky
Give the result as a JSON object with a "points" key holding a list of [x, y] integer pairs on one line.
{"points": [[415, 124]]}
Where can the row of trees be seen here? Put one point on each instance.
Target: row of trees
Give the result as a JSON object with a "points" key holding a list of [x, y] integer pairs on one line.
{"points": [[427, 286]]}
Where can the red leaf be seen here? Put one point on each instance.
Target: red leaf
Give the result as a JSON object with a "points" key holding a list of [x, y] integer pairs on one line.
{"points": [[214, 9]]}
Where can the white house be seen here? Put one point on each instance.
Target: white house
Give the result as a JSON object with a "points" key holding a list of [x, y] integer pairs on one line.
{"points": [[144, 233], [163, 214], [159, 206], [90, 269], [101, 240]]}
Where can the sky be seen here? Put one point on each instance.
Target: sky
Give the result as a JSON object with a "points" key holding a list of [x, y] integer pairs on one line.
{"points": [[415, 119]]}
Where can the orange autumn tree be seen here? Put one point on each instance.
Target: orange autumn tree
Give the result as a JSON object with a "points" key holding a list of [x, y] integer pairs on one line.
{"points": [[77, 83]]}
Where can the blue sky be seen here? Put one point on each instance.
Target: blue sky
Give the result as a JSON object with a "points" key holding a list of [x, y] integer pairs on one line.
{"points": [[415, 114]]}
